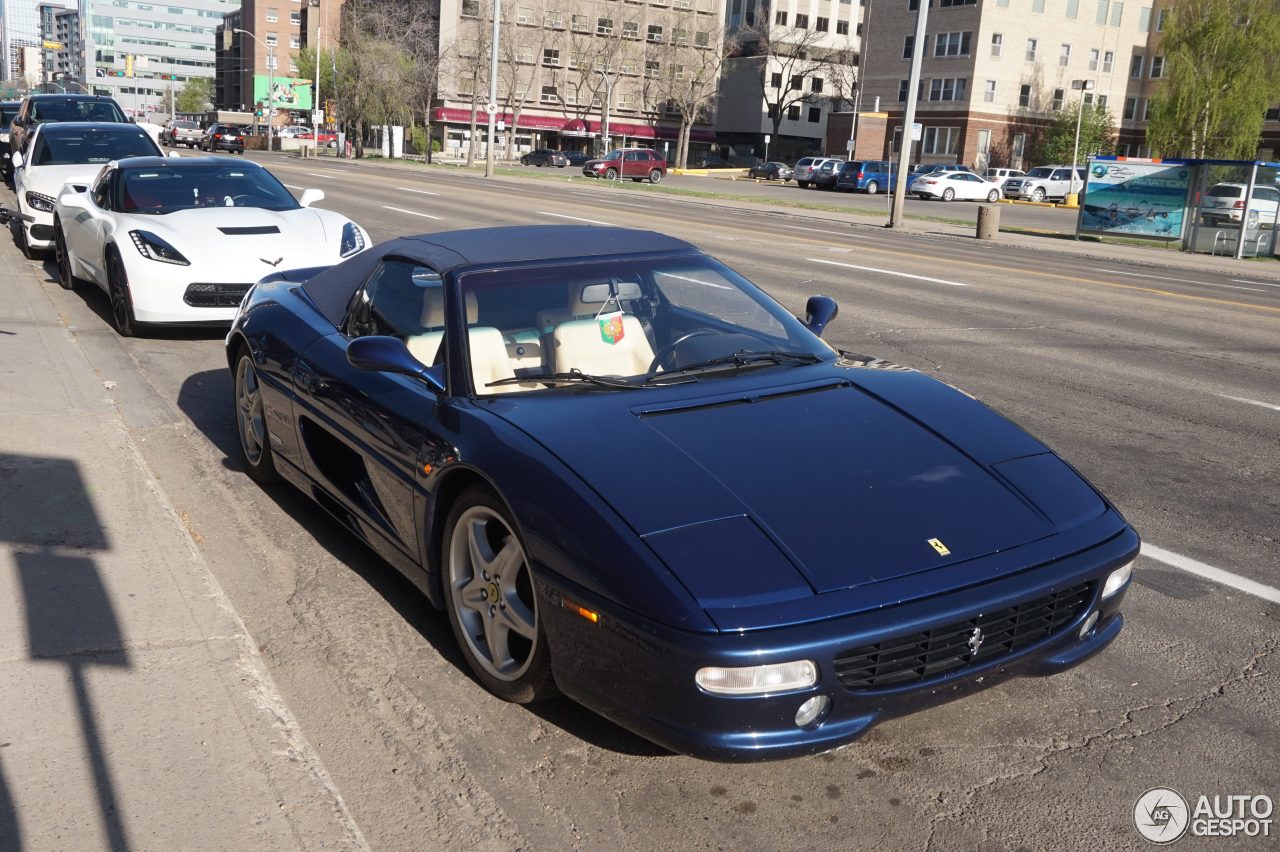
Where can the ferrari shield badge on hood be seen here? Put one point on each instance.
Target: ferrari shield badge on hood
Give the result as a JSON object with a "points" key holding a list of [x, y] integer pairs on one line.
{"points": [[611, 330]]}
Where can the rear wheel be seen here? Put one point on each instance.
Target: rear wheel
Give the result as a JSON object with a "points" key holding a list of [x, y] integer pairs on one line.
{"points": [[803, 184], [872, 187], [121, 302], [948, 194], [655, 175], [491, 600], [251, 422]]}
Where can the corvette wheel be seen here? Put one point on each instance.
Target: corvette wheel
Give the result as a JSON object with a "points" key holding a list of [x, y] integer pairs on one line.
{"points": [[611, 174], [491, 600], [65, 279], [121, 303], [251, 423]]}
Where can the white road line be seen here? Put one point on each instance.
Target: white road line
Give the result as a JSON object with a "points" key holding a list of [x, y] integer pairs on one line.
{"points": [[575, 218], [1217, 575], [320, 175], [419, 191], [1179, 280], [1259, 283], [291, 186], [816, 231], [1249, 401], [888, 272], [410, 212]]}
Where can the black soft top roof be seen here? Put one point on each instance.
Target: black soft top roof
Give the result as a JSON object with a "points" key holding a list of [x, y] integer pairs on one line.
{"points": [[331, 290]]}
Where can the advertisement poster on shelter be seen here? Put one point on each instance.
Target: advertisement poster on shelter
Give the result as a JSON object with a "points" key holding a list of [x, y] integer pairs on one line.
{"points": [[1135, 199]]}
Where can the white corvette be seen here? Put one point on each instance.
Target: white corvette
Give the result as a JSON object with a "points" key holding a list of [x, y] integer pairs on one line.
{"points": [[62, 152], [176, 241]]}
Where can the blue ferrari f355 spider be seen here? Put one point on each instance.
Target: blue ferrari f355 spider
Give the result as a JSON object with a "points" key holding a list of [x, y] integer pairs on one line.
{"points": [[629, 476]]}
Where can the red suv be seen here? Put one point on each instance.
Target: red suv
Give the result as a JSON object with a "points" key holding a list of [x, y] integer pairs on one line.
{"points": [[635, 163]]}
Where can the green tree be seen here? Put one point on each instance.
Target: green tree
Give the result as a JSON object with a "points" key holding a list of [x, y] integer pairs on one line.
{"points": [[196, 95], [1223, 70], [1056, 143]]}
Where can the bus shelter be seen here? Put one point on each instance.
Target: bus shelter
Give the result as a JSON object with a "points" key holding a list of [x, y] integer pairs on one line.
{"points": [[1222, 207]]}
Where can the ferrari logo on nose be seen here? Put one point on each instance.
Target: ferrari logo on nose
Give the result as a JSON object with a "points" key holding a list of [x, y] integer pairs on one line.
{"points": [[939, 546], [275, 262]]}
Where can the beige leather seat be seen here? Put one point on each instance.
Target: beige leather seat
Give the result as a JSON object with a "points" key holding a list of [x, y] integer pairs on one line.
{"points": [[574, 308], [490, 359], [577, 344]]}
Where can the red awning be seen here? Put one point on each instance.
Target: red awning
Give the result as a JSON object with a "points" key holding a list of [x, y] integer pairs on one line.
{"points": [[574, 126], [528, 121]]}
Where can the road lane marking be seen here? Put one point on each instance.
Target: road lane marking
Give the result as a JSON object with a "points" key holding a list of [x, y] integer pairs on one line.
{"points": [[1259, 283], [888, 272], [1249, 401], [410, 212], [1217, 575], [576, 219], [816, 231], [291, 186], [1179, 280], [419, 191], [319, 175]]}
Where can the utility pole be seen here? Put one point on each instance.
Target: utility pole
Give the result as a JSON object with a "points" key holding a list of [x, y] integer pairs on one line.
{"points": [[315, 105], [608, 102], [492, 106], [909, 115]]}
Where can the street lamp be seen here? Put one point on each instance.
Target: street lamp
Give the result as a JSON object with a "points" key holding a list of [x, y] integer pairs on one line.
{"points": [[1081, 86], [492, 106], [271, 83], [608, 101]]}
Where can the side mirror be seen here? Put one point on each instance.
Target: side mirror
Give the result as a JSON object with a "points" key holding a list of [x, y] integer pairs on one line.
{"points": [[819, 311], [71, 198], [390, 355], [16, 159], [311, 196], [174, 154]]}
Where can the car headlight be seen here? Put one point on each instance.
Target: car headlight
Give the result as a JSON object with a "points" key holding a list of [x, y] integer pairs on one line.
{"points": [[39, 201], [153, 248], [1116, 580], [758, 680], [352, 240]]}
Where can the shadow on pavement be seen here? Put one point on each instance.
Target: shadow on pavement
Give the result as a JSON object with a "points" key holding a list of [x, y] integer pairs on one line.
{"points": [[50, 522]]}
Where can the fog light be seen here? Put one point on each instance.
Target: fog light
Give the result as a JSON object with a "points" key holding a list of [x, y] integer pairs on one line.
{"points": [[758, 680], [1116, 580], [1089, 622], [813, 711]]}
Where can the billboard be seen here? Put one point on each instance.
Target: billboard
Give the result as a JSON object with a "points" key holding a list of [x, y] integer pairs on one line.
{"points": [[1135, 199], [288, 92]]}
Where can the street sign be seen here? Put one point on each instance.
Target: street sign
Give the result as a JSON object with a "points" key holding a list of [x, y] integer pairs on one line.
{"points": [[53, 45], [848, 146], [502, 125], [317, 117], [917, 131], [491, 108], [767, 139]]}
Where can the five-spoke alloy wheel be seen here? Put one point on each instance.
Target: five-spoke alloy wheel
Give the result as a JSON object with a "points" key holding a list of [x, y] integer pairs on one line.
{"points": [[251, 422]]}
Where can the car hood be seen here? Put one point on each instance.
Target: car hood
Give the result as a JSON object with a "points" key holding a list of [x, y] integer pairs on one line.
{"points": [[821, 487], [49, 180]]}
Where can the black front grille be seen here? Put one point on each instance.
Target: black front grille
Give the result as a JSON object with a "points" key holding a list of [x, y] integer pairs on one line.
{"points": [[937, 652], [215, 295]]}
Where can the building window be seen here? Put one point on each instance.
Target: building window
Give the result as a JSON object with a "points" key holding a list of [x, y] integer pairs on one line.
{"points": [[295, 18], [1101, 18], [772, 111], [1122, 150], [989, 93], [1157, 67], [1272, 114], [1032, 45], [551, 56], [631, 30], [1058, 96], [997, 44], [1024, 95], [1135, 67], [947, 89], [702, 38], [902, 90], [272, 39], [797, 83], [578, 23], [553, 19], [1102, 101], [652, 68], [842, 28], [524, 54], [524, 15], [793, 112], [655, 34], [295, 41], [780, 18], [822, 25], [1146, 109], [802, 22], [908, 44], [951, 44], [776, 80], [940, 140], [1108, 60], [1095, 56], [815, 84], [945, 3], [604, 26], [1144, 19], [1064, 56], [1161, 18], [1130, 108], [815, 115], [272, 15], [1037, 7], [1117, 12], [1073, 9]]}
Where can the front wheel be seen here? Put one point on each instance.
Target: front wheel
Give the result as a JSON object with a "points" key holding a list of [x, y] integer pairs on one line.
{"points": [[803, 184], [1039, 194], [251, 422], [121, 302], [872, 187], [948, 194], [66, 279], [993, 196], [492, 604], [655, 175], [610, 174]]}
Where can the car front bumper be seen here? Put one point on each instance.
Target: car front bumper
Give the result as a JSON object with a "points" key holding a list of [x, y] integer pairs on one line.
{"points": [[641, 675]]}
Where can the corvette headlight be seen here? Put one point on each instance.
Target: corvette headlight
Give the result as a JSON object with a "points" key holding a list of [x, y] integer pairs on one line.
{"points": [[39, 201], [352, 240], [152, 247]]}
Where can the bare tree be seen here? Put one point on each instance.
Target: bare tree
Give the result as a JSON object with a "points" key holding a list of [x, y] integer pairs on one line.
{"points": [[791, 61], [687, 73]]}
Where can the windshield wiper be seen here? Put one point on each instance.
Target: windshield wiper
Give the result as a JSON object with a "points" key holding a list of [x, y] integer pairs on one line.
{"points": [[741, 359], [572, 377]]}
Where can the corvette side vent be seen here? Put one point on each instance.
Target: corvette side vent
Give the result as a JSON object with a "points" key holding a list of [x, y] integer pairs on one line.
{"points": [[250, 231], [934, 653]]}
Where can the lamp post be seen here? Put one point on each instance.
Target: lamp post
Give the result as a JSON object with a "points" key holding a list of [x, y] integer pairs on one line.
{"points": [[492, 107], [271, 83], [1081, 86], [608, 102]]}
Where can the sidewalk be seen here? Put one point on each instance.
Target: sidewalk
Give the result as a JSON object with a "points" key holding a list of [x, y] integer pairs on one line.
{"points": [[135, 712], [1062, 245]]}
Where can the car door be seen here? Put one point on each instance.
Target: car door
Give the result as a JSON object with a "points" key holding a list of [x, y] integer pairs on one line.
{"points": [[88, 231], [633, 164], [367, 434]]}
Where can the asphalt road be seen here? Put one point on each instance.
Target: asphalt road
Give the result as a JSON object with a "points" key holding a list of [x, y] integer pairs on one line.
{"points": [[1160, 386]]}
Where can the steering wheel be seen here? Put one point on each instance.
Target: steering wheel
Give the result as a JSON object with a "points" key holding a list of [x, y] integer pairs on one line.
{"points": [[671, 347]]}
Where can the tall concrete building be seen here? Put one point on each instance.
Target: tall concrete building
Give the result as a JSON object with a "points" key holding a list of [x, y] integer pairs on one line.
{"points": [[257, 48], [19, 29], [60, 25]]}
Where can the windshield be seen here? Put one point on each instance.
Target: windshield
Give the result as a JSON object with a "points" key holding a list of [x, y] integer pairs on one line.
{"points": [[612, 155], [92, 146], [1224, 191], [184, 125], [625, 323], [7, 115], [58, 109], [178, 186], [1040, 172]]}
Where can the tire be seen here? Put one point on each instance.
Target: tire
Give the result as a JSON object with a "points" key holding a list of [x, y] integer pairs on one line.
{"points": [[872, 187], [23, 245], [655, 175], [121, 302], [251, 422], [1038, 194], [803, 184], [610, 174], [483, 560], [524, 161], [993, 196], [948, 194], [66, 280]]}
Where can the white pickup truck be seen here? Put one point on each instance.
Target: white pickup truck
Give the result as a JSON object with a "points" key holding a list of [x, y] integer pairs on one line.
{"points": [[181, 132]]}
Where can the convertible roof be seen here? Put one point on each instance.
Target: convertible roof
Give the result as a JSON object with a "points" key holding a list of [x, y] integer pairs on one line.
{"points": [[331, 290]]}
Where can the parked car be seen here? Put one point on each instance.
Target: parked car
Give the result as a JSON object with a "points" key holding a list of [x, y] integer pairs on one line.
{"points": [[327, 138], [807, 166], [180, 240], [930, 168], [222, 137], [577, 158], [824, 174], [772, 171], [39, 109], [955, 186], [1000, 175], [1045, 182], [869, 176], [406, 392], [181, 132], [544, 157], [8, 110], [635, 163], [293, 131], [62, 153], [714, 162], [1224, 204]]}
